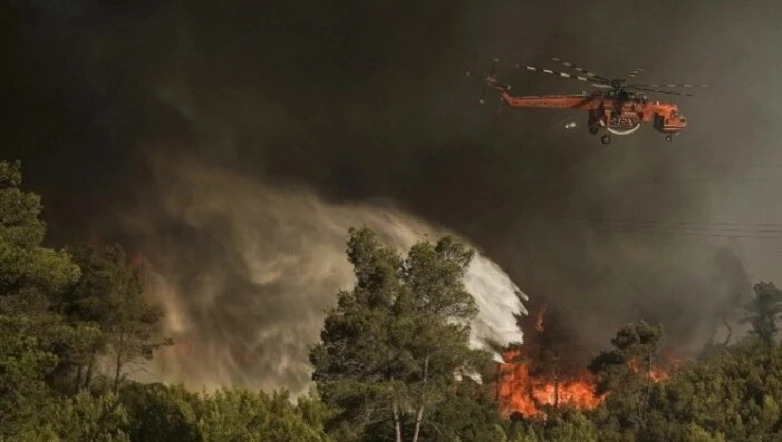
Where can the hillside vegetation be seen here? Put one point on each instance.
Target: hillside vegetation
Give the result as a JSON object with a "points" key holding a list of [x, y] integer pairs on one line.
{"points": [[393, 363]]}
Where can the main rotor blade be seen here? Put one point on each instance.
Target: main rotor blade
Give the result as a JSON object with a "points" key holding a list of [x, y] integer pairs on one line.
{"points": [[485, 78], [558, 73], [633, 73], [579, 69], [690, 85], [659, 91]]}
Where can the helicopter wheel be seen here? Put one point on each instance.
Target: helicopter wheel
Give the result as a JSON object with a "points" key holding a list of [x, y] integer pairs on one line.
{"points": [[593, 130], [605, 139], [669, 138]]}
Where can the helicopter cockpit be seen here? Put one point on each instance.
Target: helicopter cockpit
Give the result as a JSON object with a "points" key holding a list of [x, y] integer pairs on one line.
{"points": [[677, 118]]}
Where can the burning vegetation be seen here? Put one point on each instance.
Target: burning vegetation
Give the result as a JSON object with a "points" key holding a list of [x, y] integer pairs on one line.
{"points": [[372, 385], [522, 392], [537, 376]]}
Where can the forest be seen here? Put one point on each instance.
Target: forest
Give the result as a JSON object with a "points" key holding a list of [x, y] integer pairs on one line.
{"points": [[393, 362]]}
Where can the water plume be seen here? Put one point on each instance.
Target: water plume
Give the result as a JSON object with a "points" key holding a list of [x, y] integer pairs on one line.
{"points": [[245, 271]]}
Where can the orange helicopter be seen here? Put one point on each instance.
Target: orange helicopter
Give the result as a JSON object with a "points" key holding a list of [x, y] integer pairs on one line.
{"points": [[615, 106]]}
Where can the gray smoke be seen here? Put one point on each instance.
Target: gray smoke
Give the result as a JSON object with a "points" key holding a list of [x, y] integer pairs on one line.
{"points": [[245, 272], [369, 101]]}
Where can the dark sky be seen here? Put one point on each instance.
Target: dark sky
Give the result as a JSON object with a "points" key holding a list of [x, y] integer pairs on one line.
{"points": [[369, 100]]}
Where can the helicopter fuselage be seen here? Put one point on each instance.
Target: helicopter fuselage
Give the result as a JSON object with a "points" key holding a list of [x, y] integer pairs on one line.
{"points": [[617, 106], [620, 114]]}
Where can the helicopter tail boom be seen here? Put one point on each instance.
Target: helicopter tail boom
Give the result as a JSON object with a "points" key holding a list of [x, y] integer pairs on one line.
{"points": [[550, 101]]}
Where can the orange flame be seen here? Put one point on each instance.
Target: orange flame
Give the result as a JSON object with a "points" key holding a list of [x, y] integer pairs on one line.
{"points": [[519, 391], [656, 374], [539, 321], [523, 393]]}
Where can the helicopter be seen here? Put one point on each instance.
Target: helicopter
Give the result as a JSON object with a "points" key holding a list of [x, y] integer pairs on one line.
{"points": [[616, 106]]}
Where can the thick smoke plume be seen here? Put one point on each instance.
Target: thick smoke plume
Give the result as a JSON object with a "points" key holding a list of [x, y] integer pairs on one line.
{"points": [[370, 101], [245, 272]]}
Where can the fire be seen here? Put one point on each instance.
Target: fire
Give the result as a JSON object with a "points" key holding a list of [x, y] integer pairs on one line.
{"points": [[521, 392], [655, 374], [658, 375], [539, 321]]}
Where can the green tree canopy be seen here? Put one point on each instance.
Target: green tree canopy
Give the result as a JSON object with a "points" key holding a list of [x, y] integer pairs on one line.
{"points": [[31, 277], [388, 367], [391, 347], [625, 375], [110, 293], [763, 311], [26, 265]]}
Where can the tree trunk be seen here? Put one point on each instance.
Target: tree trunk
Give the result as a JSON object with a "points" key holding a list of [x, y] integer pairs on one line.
{"points": [[730, 330], [394, 406], [88, 376], [420, 416], [77, 382], [498, 383], [557, 382], [118, 362], [117, 371], [644, 405], [397, 424]]}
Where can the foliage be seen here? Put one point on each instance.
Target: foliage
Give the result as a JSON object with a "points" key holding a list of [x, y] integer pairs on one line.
{"points": [[23, 369], [763, 311], [386, 367], [110, 294], [160, 413], [392, 345], [25, 264], [628, 368], [564, 425], [468, 414], [95, 418], [248, 416]]}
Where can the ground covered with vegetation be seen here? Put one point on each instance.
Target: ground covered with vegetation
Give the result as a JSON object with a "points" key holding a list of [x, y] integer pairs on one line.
{"points": [[393, 363]]}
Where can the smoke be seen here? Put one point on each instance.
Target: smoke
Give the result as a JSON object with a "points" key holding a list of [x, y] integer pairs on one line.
{"points": [[245, 272], [370, 101]]}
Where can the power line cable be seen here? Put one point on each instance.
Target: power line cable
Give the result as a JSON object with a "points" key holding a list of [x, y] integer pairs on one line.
{"points": [[670, 228]]}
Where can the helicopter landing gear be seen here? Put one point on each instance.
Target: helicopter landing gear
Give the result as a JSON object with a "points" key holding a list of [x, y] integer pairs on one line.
{"points": [[605, 139], [593, 130], [669, 138]]}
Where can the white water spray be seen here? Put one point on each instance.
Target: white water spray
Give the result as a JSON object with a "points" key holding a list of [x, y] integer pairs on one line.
{"points": [[246, 271]]}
